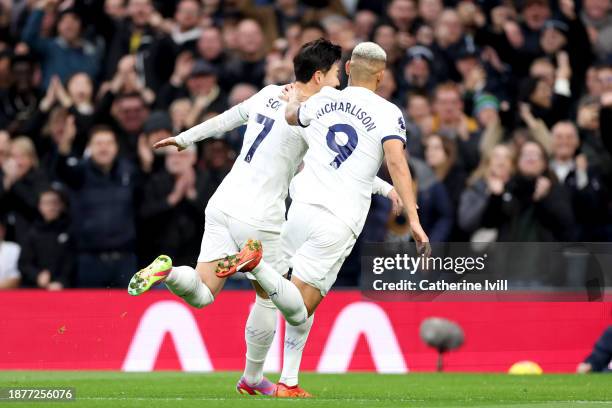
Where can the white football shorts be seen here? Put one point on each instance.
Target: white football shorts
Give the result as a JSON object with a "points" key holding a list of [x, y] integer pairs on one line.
{"points": [[315, 243], [225, 235]]}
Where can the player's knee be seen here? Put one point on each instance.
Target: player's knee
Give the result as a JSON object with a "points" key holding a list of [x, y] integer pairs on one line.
{"points": [[296, 319], [264, 302]]}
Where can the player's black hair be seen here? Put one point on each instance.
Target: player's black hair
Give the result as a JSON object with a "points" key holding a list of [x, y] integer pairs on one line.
{"points": [[317, 55]]}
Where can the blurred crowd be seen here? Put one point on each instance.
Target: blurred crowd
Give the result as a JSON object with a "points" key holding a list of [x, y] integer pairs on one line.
{"points": [[508, 107]]}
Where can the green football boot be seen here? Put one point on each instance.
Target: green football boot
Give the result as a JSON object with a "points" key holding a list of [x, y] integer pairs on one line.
{"points": [[152, 275]]}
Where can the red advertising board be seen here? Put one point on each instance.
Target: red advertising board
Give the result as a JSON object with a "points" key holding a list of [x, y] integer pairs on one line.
{"points": [[109, 330]]}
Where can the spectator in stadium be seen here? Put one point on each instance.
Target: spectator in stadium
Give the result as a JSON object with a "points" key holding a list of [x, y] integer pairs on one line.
{"points": [[597, 18], [210, 48], [19, 102], [65, 54], [5, 68], [600, 359], [605, 114], [417, 76], [129, 114], [279, 70], [9, 258], [533, 207], [102, 197], [402, 13], [385, 35], [450, 119], [21, 183], [60, 128], [387, 87], [551, 103], [534, 15], [47, 258], [587, 192], [5, 149], [240, 93], [449, 41], [175, 193], [157, 127], [429, 11], [419, 112], [196, 80], [487, 181], [216, 161], [572, 41], [249, 65], [365, 21], [441, 156], [179, 112], [138, 35], [184, 31], [435, 210]]}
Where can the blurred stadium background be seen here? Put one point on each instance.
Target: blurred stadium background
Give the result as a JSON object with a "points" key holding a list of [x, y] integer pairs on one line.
{"points": [[509, 113]]}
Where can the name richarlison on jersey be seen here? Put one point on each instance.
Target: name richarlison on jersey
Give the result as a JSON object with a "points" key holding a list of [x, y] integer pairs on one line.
{"points": [[351, 109]]}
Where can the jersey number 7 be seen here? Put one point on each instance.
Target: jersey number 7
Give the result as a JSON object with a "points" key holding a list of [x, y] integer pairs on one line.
{"points": [[268, 123]]}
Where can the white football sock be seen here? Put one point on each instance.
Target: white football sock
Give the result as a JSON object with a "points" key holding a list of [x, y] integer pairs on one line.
{"points": [[285, 295], [185, 282], [295, 340], [259, 335]]}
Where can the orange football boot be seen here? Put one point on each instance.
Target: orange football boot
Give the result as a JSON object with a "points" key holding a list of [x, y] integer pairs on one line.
{"points": [[244, 261], [285, 391]]}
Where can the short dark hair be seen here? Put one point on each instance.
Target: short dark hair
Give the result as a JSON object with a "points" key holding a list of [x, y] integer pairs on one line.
{"points": [[101, 129], [317, 55]]}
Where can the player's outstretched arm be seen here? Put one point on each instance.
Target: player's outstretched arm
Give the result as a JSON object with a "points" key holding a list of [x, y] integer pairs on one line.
{"points": [[213, 127], [402, 181]]}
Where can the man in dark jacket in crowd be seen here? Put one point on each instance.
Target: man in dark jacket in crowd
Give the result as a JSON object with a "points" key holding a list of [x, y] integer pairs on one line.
{"points": [[587, 192], [65, 54], [102, 205], [174, 193], [138, 35], [47, 258], [19, 102]]}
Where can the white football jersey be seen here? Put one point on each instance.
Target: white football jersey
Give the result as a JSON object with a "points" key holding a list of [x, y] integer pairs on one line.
{"points": [[255, 189], [345, 131]]}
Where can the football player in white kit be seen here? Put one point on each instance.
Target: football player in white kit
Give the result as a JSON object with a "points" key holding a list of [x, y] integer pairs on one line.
{"points": [[348, 133], [250, 203]]}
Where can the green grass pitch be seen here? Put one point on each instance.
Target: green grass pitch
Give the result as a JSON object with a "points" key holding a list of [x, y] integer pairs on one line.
{"points": [[176, 390]]}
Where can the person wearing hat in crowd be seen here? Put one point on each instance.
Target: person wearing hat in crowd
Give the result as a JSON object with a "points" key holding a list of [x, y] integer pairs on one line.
{"points": [[47, 258], [198, 81], [158, 126], [568, 33], [417, 73], [65, 54], [9, 258]]}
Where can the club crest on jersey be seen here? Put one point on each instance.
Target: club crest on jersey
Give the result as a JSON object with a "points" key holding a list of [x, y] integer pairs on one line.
{"points": [[402, 125]]}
